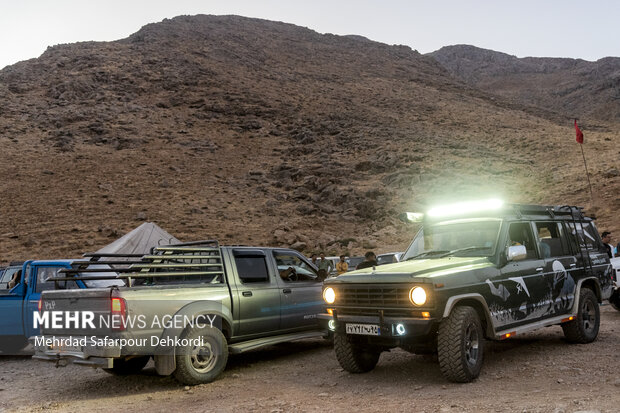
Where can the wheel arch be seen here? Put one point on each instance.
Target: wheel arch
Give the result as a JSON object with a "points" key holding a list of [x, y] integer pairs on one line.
{"points": [[591, 283], [478, 303], [165, 362]]}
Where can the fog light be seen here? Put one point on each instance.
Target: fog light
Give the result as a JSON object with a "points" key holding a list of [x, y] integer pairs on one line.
{"points": [[332, 325], [400, 329]]}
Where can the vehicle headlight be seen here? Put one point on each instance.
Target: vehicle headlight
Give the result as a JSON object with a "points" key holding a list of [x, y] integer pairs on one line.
{"points": [[417, 295], [329, 295]]}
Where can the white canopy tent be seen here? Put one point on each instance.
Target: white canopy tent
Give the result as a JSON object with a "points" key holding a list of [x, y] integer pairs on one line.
{"points": [[140, 240]]}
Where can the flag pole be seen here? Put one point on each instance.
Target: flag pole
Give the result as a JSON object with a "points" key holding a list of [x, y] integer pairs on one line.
{"points": [[587, 174], [580, 142]]}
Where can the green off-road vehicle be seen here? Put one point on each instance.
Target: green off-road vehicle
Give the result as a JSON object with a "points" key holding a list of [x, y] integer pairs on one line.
{"points": [[474, 271]]}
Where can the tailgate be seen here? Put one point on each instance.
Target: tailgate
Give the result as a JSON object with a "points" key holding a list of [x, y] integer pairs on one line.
{"points": [[76, 312]]}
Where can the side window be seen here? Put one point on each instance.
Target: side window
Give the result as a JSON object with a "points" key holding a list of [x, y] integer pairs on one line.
{"points": [[291, 267], [520, 233], [44, 283], [584, 235], [252, 269], [8, 276], [551, 240]]}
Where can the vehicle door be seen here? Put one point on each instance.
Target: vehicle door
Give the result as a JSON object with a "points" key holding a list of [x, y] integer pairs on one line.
{"points": [[301, 290], [11, 306], [40, 280], [258, 292], [559, 267], [519, 297]]}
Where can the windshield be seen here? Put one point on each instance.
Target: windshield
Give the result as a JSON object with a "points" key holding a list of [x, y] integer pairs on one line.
{"points": [[462, 239]]}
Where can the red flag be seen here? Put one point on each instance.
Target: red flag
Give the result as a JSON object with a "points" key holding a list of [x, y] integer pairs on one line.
{"points": [[579, 133]]}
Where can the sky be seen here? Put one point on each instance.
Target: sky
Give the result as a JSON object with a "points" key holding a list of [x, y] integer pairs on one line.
{"points": [[543, 28]]}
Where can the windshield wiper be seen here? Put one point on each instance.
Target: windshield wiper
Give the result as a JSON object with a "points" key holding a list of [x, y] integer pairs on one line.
{"points": [[424, 254], [447, 253]]}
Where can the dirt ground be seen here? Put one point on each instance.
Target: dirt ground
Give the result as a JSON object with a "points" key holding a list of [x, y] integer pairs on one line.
{"points": [[535, 372]]}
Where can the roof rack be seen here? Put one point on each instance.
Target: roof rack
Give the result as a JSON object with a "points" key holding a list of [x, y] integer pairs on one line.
{"points": [[575, 212], [198, 260]]}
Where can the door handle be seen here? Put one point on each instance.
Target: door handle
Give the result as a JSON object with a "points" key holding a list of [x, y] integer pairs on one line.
{"points": [[539, 269], [287, 291], [247, 293]]}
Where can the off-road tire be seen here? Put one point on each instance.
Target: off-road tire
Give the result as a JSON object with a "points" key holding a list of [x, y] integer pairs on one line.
{"points": [[354, 357], [196, 365], [614, 300], [584, 328], [10, 345], [124, 367], [329, 337], [460, 345]]}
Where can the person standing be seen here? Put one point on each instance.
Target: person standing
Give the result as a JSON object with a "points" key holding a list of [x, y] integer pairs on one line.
{"points": [[313, 261], [606, 238], [369, 261], [342, 266], [325, 266]]}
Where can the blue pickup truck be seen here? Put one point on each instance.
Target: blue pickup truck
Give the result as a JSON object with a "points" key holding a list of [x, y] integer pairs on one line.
{"points": [[18, 302]]}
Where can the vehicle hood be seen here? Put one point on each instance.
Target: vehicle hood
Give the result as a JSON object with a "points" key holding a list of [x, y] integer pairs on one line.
{"points": [[416, 270]]}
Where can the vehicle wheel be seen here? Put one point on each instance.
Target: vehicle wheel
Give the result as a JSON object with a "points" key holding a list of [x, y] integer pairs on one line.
{"points": [[12, 344], [354, 357], [614, 300], [584, 328], [460, 345], [198, 364], [124, 367]]}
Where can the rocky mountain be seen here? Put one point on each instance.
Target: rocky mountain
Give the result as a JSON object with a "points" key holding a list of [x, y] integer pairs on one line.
{"points": [[253, 131], [571, 87]]}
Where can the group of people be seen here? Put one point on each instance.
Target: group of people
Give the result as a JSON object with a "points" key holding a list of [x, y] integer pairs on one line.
{"points": [[325, 266], [611, 251]]}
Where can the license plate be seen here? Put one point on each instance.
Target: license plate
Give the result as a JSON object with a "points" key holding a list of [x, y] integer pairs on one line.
{"points": [[363, 329]]}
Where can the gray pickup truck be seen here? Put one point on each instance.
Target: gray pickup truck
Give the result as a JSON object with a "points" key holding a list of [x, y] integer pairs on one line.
{"points": [[187, 306]]}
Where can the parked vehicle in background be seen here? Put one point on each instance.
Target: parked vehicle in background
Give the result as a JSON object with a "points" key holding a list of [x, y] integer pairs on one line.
{"points": [[17, 304], [222, 300], [474, 271], [354, 262], [389, 258]]}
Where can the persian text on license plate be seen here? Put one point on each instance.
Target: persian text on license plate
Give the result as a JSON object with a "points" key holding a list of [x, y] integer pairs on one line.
{"points": [[363, 329]]}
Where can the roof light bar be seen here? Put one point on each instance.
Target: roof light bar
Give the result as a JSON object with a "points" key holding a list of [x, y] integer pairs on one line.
{"points": [[466, 207]]}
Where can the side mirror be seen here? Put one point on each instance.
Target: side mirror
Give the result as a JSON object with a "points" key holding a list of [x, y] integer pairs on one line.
{"points": [[19, 290], [516, 253]]}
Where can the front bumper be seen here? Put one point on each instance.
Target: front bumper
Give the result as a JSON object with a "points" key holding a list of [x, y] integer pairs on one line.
{"points": [[414, 327]]}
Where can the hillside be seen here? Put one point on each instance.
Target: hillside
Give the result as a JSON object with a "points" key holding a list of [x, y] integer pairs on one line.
{"points": [[252, 131], [571, 87]]}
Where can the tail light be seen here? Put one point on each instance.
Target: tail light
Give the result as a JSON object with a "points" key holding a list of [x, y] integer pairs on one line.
{"points": [[118, 313], [40, 305]]}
